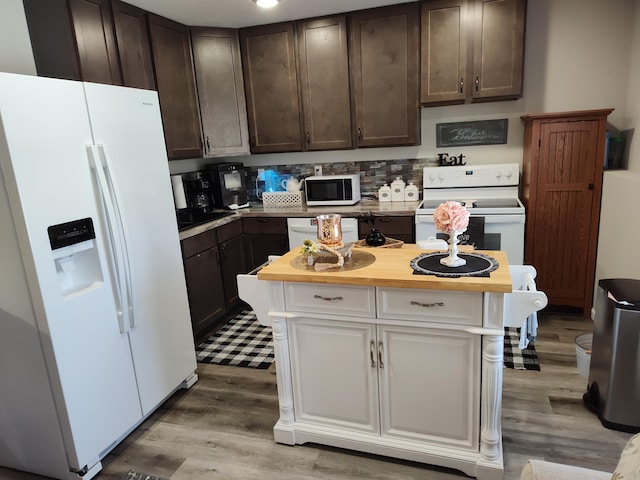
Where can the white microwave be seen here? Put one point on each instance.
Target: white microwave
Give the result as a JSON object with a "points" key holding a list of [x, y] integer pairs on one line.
{"points": [[332, 190]]}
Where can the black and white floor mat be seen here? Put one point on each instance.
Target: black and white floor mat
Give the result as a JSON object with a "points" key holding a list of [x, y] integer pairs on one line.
{"points": [[242, 342], [515, 358]]}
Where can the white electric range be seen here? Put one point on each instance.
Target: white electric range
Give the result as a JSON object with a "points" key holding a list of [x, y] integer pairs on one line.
{"points": [[490, 193]]}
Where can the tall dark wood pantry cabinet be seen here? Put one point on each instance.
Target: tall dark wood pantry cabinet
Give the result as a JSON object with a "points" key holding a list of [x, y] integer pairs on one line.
{"points": [[561, 188]]}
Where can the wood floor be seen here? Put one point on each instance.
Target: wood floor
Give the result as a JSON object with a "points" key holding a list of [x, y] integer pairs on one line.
{"points": [[222, 427]]}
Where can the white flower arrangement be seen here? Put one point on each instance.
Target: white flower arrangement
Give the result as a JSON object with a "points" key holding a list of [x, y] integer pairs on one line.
{"points": [[309, 247]]}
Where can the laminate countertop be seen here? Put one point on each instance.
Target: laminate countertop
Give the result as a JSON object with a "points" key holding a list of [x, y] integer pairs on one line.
{"points": [[257, 210], [391, 268]]}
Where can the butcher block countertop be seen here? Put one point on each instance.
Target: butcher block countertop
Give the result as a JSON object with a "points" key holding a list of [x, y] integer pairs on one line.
{"points": [[391, 268]]}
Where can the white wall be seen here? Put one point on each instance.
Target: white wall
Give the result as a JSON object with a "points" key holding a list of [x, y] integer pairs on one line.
{"points": [[618, 255], [15, 46]]}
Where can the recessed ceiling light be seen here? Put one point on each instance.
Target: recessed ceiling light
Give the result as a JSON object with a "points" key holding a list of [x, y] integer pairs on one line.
{"points": [[267, 3]]}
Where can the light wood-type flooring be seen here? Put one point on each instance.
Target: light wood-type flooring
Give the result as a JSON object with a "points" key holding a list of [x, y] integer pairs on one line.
{"points": [[222, 427]]}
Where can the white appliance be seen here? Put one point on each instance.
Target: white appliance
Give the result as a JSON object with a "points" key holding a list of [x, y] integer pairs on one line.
{"points": [[94, 320], [332, 190], [307, 228], [490, 193]]}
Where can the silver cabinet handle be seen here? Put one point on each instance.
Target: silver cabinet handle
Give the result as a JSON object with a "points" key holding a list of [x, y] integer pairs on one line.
{"points": [[380, 353], [372, 355], [427, 305], [461, 86], [477, 85], [328, 299]]}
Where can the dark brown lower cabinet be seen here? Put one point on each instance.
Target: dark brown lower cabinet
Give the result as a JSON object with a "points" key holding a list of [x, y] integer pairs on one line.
{"points": [[266, 236], [397, 227], [205, 290]]}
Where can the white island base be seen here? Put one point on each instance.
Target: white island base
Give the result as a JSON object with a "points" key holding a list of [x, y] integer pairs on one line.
{"points": [[413, 372]]}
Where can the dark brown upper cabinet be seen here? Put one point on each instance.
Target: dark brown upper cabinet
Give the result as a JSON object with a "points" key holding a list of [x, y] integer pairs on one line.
{"points": [[95, 41], [471, 50], [385, 64], [171, 49], [323, 66], [132, 36], [218, 69], [271, 88], [74, 39]]}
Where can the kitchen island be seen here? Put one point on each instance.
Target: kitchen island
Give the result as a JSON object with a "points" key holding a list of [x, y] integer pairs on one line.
{"points": [[379, 360]]}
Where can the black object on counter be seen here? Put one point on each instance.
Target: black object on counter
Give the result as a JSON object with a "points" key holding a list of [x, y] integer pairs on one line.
{"points": [[375, 238]]}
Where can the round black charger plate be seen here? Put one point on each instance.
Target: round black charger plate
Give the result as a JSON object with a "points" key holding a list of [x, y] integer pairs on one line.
{"points": [[478, 265]]}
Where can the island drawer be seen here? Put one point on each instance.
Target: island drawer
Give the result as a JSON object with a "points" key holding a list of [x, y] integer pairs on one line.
{"points": [[355, 301], [462, 308]]}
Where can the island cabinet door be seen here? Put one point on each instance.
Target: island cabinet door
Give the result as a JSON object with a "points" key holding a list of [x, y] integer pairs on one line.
{"points": [[334, 374], [430, 385]]}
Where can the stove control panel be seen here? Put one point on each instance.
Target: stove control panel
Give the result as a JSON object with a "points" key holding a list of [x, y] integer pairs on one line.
{"points": [[497, 175]]}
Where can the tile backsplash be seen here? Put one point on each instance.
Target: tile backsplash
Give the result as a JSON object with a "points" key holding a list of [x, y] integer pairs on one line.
{"points": [[373, 174]]}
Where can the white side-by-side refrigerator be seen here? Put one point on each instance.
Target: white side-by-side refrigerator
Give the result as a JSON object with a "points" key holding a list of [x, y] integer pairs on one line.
{"points": [[94, 321]]}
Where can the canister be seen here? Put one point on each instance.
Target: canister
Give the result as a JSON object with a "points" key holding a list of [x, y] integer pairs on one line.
{"points": [[411, 193], [384, 193], [397, 190]]}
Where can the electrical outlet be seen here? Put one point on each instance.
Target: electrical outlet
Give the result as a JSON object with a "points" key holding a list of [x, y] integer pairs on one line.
{"points": [[317, 170], [261, 174]]}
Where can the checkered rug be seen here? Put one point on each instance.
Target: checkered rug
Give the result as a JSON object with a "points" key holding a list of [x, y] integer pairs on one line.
{"points": [[242, 342], [515, 358]]}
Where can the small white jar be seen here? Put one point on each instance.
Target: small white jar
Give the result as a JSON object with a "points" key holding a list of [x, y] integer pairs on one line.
{"points": [[397, 190], [384, 193], [411, 193]]}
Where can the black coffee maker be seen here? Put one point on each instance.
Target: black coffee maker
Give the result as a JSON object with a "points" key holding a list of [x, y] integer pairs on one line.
{"points": [[229, 185], [198, 190]]}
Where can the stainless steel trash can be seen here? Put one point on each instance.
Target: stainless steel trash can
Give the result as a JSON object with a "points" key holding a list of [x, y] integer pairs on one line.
{"points": [[613, 390]]}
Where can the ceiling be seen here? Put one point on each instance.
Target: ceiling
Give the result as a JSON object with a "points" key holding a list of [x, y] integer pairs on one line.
{"points": [[244, 13]]}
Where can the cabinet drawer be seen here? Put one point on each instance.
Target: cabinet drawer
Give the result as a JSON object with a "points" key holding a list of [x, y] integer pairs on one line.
{"points": [[229, 230], [463, 308], [338, 299], [265, 225], [198, 243]]}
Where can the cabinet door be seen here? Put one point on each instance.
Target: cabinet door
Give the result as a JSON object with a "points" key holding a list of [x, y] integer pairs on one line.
{"points": [[223, 112], [234, 257], [430, 385], [266, 236], [498, 48], [271, 87], [334, 374], [385, 75], [204, 289], [95, 41], [323, 65], [564, 210], [52, 39], [444, 48], [398, 227], [132, 34], [176, 87]]}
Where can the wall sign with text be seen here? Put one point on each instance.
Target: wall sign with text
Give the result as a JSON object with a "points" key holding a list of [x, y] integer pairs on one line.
{"points": [[480, 132]]}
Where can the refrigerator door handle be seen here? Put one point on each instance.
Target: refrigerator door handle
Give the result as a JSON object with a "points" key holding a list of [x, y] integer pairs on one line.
{"points": [[116, 253], [122, 232]]}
